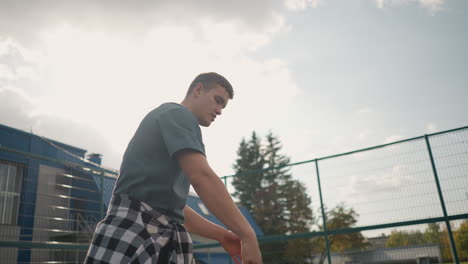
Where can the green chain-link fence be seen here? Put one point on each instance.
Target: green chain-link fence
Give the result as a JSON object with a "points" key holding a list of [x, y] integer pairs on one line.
{"points": [[404, 202]]}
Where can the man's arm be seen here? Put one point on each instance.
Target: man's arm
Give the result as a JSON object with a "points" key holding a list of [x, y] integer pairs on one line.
{"points": [[198, 225], [213, 193]]}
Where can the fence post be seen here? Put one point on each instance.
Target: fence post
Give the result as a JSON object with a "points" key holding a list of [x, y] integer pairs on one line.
{"points": [[442, 202], [225, 185], [327, 244], [102, 195]]}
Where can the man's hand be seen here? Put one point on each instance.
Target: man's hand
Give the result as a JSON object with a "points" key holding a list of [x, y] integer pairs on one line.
{"points": [[247, 250], [251, 252], [232, 244]]}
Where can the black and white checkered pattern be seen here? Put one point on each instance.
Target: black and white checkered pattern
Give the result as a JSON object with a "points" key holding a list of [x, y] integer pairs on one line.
{"points": [[133, 232]]}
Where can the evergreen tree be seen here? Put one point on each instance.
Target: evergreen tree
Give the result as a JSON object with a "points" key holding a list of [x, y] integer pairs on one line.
{"points": [[279, 204], [274, 203], [246, 183], [299, 219], [272, 217]]}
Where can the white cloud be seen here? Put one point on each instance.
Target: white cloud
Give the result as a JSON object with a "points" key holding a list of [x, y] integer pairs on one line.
{"points": [[433, 6], [364, 135], [393, 138], [383, 3], [299, 5], [6, 73], [24, 21], [17, 110], [361, 178], [4, 46], [18, 62], [365, 110], [363, 190], [431, 127], [388, 181], [106, 83], [26, 72]]}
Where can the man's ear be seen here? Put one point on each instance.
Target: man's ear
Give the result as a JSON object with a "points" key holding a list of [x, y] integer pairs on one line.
{"points": [[198, 89]]}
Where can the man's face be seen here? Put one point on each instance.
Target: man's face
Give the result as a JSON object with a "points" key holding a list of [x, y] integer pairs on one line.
{"points": [[210, 104]]}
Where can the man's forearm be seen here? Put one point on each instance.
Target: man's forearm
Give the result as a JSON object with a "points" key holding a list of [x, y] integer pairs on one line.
{"points": [[198, 225], [213, 193], [215, 196]]}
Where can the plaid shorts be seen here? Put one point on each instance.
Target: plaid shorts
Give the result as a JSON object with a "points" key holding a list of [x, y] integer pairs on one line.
{"points": [[133, 232]]}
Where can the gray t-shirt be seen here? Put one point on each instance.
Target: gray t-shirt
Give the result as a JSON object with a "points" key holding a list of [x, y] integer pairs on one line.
{"points": [[149, 170]]}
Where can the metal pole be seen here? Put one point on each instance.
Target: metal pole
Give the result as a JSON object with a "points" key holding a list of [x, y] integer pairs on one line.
{"points": [[225, 185], [442, 202], [102, 195], [5, 199], [327, 244]]}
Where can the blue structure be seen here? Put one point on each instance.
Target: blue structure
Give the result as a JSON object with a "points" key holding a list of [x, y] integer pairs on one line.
{"points": [[49, 191], [30, 205]]}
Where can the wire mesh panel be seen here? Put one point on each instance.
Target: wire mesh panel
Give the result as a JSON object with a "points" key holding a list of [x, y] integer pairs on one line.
{"points": [[450, 152], [306, 174], [424, 243], [297, 250], [460, 233], [394, 186], [12, 186], [9, 254], [390, 184], [56, 256], [47, 203]]}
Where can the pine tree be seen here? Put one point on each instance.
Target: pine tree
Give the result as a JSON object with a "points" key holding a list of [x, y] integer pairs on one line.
{"points": [[273, 217], [279, 204], [246, 183], [299, 218], [276, 176]]}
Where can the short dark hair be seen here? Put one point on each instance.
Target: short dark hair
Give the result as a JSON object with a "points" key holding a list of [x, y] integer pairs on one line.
{"points": [[209, 79]]}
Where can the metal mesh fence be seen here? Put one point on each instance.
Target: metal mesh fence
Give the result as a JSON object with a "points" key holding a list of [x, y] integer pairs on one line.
{"points": [[49, 207], [404, 202], [385, 185]]}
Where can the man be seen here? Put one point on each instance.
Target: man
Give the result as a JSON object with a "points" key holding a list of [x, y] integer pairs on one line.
{"points": [[144, 220]]}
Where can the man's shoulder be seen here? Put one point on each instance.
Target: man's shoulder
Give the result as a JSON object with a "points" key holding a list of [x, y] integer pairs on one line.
{"points": [[172, 111], [169, 108]]}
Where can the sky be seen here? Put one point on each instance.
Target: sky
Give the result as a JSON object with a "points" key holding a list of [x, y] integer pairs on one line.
{"points": [[326, 77]]}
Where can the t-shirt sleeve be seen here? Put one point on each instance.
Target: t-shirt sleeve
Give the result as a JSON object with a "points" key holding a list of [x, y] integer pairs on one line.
{"points": [[180, 131]]}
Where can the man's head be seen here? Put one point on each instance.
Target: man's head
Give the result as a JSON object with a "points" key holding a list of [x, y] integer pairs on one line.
{"points": [[208, 80], [207, 95]]}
